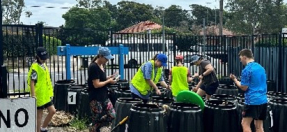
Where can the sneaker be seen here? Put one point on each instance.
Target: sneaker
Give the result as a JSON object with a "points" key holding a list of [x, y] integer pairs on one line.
{"points": [[44, 130]]}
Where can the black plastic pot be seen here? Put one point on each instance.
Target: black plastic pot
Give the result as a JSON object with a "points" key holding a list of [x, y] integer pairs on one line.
{"points": [[84, 111], [185, 118], [165, 93], [240, 96], [122, 108], [147, 118], [227, 89], [271, 85], [73, 108], [111, 93], [123, 92], [161, 100], [279, 112], [220, 116], [123, 84], [276, 95], [61, 94], [224, 97], [225, 80]]}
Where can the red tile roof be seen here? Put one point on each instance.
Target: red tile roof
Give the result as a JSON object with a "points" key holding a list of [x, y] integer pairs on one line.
{"points": [[141, 27]]}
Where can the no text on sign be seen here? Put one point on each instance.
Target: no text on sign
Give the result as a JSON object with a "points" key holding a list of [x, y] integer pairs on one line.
{"points": [[18, 115]]}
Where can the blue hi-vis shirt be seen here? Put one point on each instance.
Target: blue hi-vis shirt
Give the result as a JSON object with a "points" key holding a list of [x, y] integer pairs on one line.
{"points": [[254, 76], [147, 71]]}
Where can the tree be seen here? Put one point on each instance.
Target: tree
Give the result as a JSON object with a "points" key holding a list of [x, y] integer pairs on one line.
{"points": [[256, 16], [130, 13], [89, 3], [95, 18], [199, 12], [174, 16], [12, 10]]}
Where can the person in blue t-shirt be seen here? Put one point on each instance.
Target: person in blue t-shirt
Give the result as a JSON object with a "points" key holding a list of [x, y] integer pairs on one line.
{"points": [[254, 83]]}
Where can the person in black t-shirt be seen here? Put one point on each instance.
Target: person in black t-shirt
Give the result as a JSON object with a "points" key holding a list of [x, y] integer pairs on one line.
{"points": [[208, 81], [101, 107]]}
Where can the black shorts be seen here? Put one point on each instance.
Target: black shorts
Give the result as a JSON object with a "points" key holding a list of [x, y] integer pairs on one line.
{"points": [[210, 89], [45, 106], [257, 112]]}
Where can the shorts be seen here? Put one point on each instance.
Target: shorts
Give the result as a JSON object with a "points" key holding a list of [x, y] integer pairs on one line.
{"points": [[209, 89], [45, 106], [257, 112]]}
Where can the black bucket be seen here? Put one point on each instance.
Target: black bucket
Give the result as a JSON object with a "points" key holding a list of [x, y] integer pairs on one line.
{"points": [[225, 80], [279, 112], [227, 89], [161, 100], [74, 93], [61, 94], [240, 96], [220, 116], [147, 118], [276, 95], [224, 97], [111, 93], [84, 111], [165, 93], [122, 108], [185, 117], [122, 92], [123, 84], [271, 85]]}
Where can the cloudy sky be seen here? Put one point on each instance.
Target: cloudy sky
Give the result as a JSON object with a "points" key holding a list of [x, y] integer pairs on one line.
{"points": [[53, 16]]}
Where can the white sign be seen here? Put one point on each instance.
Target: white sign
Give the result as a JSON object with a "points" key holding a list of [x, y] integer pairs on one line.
{"points": [[72, 98], [18, 115]]}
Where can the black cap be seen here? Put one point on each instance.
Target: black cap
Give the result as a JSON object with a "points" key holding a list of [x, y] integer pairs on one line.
{"points": [[42, 53]]}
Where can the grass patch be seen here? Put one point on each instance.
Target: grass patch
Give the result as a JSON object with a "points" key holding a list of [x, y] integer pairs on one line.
{"points": [[79, 124]]}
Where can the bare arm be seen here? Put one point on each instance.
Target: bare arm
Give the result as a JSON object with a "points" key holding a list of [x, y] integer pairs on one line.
{"points": [[98, 84], [199, 83], [238, 84], [152, 84], [162, 83]]}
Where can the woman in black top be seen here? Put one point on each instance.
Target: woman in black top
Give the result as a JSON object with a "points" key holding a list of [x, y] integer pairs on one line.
{"points": [[102, 109], [208, 81]]}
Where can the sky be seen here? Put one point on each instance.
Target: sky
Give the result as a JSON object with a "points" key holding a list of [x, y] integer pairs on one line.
{"points": [[53, 16]]}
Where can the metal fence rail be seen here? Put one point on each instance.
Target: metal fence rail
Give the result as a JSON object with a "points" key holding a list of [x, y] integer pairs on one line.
{"points": [[21, 41]]}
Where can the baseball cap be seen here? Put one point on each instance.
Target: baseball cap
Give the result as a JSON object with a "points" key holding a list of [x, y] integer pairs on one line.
{"points": [[42, 53], [179, 57], [106, 52], [162, 58], [194, 58]]}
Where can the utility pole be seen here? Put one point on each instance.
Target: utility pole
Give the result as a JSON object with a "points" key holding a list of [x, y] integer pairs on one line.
{"points": [[163, 34], [220, 16]]}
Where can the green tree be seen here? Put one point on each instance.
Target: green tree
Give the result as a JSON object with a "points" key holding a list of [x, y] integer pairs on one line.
{"points": [[12, 10], [94, 18], [199, 12], [256, 16], [174, 16], [51, 44], [130, 13], [89, 3]]}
